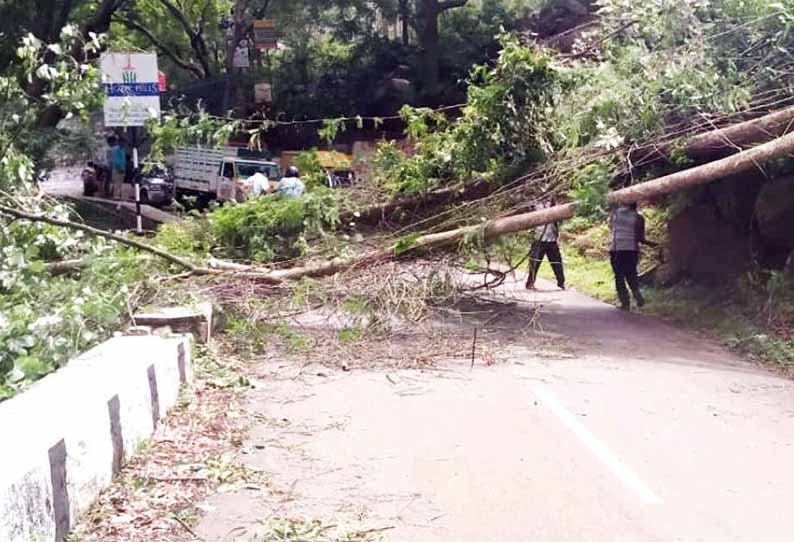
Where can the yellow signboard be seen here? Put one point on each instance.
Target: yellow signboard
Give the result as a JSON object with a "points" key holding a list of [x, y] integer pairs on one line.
{"points": [[265, 34]]}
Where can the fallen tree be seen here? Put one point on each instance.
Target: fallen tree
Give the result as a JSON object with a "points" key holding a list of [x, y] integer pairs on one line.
{"points": [[656, 188], [738, 163], [723, 141], [705, 146]]}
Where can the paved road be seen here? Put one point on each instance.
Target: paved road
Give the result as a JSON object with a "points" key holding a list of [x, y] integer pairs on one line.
{"points": [[101, 212], [647, 434]]}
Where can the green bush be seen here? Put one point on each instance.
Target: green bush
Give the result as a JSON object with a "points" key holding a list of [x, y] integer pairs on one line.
{"points": [[274, 228], [191, 236], [45, 321]]}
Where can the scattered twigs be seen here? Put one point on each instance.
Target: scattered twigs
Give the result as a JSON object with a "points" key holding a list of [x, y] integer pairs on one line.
{"points": [[473, 347]]}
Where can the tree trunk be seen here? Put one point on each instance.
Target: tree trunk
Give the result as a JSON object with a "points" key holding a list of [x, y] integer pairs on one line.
{"points": [[430, 41], [744, 161], [232, 90], [751, 132], [738, 163], [723, 141], [405, 16]]}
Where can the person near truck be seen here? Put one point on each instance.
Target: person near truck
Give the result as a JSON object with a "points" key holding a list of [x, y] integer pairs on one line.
{"points": [[260, 184], [117, 164], [290, 185], [627, 228], [546, 245]]}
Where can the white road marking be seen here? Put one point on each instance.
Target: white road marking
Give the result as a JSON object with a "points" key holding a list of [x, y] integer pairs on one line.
{"points": [[598, 448]]}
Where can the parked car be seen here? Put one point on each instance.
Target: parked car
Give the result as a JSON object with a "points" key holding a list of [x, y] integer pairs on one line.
{"points": [[157, 185]]}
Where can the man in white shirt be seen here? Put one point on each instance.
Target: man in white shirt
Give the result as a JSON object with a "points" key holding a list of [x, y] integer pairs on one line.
{"points": [[546, 246], [260, 184], [291, 186]]}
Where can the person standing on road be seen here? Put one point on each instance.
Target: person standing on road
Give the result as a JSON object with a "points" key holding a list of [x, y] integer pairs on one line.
{"points": [[118, 166], [291, 185], [546, 245], [627, 228]]}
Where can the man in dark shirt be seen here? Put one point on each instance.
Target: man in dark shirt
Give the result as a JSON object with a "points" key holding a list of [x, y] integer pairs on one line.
{"points": [[627, 227]]}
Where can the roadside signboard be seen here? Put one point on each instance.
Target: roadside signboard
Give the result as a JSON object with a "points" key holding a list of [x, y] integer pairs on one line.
{"points": [[241, 58], [265, 34], [131, 82]]}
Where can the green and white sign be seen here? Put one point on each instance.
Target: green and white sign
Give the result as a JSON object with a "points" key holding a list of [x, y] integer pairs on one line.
{"points": [[131, 82]]}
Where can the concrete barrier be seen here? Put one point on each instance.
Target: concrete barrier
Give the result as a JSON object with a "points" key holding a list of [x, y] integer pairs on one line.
{"points": [[64, 439]]}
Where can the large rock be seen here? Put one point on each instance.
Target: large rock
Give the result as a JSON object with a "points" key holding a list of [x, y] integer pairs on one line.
{"points": [[774, 211], [705, 247], [735, 196]]}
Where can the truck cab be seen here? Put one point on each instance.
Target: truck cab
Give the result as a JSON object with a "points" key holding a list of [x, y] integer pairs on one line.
{"points": [[235, 174]]}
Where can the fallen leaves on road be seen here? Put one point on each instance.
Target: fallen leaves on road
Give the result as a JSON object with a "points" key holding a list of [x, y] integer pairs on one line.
{"points": [[160, 494]]}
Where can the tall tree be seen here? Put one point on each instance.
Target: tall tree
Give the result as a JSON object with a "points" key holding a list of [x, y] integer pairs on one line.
{"points": [[198, 24], [427, 23]]}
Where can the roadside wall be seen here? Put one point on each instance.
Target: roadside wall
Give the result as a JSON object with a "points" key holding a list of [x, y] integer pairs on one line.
{"points": [[65, 438]]}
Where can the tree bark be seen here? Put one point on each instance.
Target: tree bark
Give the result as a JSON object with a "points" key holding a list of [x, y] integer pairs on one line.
{"points": [[405, 17], [725, 140], [429, 40]]}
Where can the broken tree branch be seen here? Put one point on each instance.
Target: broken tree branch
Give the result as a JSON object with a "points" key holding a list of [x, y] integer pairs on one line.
{"points": [[18, 213]]}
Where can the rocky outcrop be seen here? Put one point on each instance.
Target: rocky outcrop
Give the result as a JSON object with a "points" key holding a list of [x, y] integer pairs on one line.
{"points": [[742, 221], [705, 247], [774, 211]]}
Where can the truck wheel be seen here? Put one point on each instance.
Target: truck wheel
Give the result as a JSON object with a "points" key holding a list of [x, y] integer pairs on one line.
{"points": [[203, 202], [144, 196]]}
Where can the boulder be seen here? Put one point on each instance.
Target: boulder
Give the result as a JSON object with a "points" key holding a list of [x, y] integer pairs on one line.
{"points": [[705, 247], [774, 211]]}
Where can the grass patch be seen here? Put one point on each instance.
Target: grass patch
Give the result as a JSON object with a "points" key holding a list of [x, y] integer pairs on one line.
{"points": [[739, 318], [292, 530]]}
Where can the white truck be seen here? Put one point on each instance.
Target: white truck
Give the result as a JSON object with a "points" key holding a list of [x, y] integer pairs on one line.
{"points": [[218, 173]]}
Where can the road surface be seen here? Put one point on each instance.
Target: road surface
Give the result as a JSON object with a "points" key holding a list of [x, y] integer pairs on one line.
{"points": [[647, 433], [104, 213]]}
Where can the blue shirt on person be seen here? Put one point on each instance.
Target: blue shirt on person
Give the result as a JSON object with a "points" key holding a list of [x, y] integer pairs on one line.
{"points": [[119, 158], [291, 187]]}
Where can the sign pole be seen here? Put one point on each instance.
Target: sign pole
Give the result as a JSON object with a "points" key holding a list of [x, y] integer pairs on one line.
{"points": [[136, 180]]}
